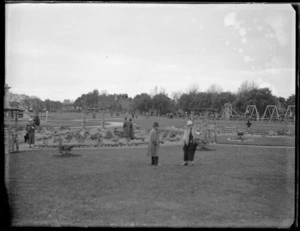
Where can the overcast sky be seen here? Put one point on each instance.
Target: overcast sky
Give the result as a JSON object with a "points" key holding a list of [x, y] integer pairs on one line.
{"points": [[61, 51]]}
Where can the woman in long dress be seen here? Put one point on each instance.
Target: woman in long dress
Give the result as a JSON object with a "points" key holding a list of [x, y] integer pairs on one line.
{"points": [[189, 144]]}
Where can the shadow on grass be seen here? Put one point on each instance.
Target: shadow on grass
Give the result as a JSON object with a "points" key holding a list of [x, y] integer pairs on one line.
{"points": [[67, 155]]}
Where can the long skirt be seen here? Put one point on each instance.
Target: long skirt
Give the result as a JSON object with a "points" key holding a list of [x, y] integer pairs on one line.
{"points": [[31, 138], [189, 152]]}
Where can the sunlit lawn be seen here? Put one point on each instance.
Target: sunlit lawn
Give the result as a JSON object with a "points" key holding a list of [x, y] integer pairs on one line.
{"points": [[232, 186]]}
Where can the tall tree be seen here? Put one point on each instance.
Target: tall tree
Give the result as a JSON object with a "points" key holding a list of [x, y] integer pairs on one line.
{"points": [[142, 102], [162, 103]]}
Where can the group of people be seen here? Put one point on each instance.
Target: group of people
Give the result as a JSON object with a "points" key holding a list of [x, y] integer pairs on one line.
{"points": [[128, 129], [189, 140], [189, 144]]}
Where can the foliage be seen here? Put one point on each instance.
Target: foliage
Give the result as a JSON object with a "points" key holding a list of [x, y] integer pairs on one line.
{"points": [[64, 127], [142, 102], [259, 97], [108, 134], [53, 105], [96, 136], [291, 100], [36, 120], [162, 103], [248, 93]]}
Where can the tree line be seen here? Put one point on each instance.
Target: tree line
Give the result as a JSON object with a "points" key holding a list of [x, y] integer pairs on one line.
{"points": [[160, 103]]}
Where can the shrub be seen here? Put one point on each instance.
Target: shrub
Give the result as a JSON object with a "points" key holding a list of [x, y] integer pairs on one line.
{"points": [[165, 134], [69, 136], [173, 134], [108, 134], [96, 136], [281, 132], [36, 120], [119, 133], [64, 127]]}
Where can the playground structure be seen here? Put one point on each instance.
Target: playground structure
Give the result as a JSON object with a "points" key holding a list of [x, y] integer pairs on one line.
{"points": [[251, 112], [271, 113], [228, 112], [290, 113]]}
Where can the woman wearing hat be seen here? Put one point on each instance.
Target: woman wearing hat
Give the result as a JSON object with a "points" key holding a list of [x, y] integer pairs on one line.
{"points": [[30, 129], [189, 144], [153, 146]]}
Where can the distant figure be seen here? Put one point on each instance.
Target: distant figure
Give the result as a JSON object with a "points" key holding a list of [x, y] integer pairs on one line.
{"points": [[131, 131], [248, 123], [126, 128], [189, 144], [153, 146], [30, 129]]}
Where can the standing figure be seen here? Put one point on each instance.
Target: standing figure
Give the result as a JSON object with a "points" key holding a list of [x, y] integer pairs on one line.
{"points": [[248, 123], [153, 146], [30, 129], [131, 131], [189, 144], [126, 128]]}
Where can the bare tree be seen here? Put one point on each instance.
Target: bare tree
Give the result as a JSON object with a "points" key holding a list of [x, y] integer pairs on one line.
{"points": [[247, 86], [215, 88], [193, 88], [176, 95]]}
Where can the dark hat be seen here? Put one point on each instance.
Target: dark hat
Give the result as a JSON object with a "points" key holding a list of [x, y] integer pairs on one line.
{"points": [[155, 124]]}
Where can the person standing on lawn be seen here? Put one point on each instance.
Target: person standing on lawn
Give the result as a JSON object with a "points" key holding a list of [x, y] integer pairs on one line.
{"points": [[126, 128], [30, 129], [189, 144], [131, 131], [153, 146]]}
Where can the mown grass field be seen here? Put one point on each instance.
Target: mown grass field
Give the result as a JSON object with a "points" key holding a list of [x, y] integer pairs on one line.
{"points": [[74, 119], [234, 186]]}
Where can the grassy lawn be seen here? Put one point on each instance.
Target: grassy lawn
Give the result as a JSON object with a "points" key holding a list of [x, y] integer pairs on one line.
{"points": [[234, 186], [254, 140]]}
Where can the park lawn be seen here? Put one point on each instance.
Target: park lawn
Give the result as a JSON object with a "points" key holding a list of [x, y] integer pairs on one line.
{"points": [[234, 186], [257, 140]]}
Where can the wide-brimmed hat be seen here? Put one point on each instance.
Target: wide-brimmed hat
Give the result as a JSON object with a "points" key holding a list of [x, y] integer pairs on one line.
{"points": [[189, 123], [155, 124], [30, 119]]}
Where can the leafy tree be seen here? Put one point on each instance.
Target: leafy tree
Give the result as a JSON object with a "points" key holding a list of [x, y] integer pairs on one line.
{"points": [[162, 103], [142, 102], [291, 100], [259, 97], [36, 120]]}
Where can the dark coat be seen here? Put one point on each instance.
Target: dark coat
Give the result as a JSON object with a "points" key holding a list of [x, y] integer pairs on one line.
{"points": [[30, 129], [131, 130], [126, 129]]}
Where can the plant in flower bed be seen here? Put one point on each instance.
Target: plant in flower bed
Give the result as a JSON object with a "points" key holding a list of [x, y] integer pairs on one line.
{"points": [[118, 133], [108, 134], [64, 128], [63, 148]]}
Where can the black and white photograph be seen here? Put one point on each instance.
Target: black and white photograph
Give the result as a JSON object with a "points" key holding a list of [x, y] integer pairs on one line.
{"points": [[175, 115]]}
